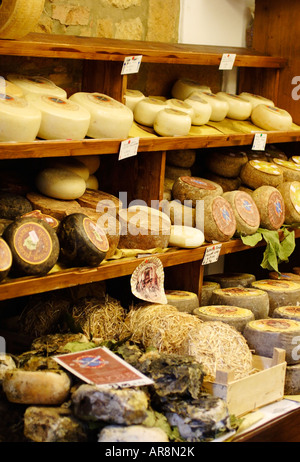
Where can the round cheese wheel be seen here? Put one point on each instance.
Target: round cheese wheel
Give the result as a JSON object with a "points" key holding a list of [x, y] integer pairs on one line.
{"points": [[56, 208], [180, 105], [231, 279], [272, 151], [227, 184], [182, 300], [109, 117], [19, 17], [202, 109], [172, 172], [92, 162], [206, 292], [184, 158], [271, 118], [171, 122], [292, 379], [239, 109], [60, 184], [255, 300], [92, 182], [9, 88], [183, 88], [71, 164], [291, 171], [296, 159], [180, 214], [219, 220], [287, 312], [255, 100], [100, 201], [187, 188], [233, 315], [219, 108], [280, 292], [132, 97], [226, 163], [284, 276], [13, 205], [290, 191], [61, 118], [257, 155], [37, 85], [256, 173], [263, 335], [186, 237], [5, 260], [245, 210], [271, 207], [146, 110], [19, 120]]}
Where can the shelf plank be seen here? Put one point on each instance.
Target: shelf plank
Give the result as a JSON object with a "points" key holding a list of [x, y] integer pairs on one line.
{"points": [[104, 49]]}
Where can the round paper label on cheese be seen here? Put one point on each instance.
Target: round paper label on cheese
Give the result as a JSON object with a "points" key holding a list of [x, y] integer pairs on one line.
{"points": [[287, 164], [12, 101], [276, 209], [60, 103], [33, 243], [96, 235], [198, 183], [147, 281], [295, 196], [247, 209], [5, 256], [223, 215], [265, 167], [275, 325]]}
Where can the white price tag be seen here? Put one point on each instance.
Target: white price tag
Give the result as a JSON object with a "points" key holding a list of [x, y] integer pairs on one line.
{"points": [[131, 64], [259, 142], [212, 254], [227, 61], [129, 148]]}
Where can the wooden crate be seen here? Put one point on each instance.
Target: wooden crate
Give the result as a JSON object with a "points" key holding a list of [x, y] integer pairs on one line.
{"points": [[254, 391]]}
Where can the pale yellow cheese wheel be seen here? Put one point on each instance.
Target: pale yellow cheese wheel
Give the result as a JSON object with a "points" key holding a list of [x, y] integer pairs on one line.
{"points": [[239, 109], [180, 105], [172, 122], [290, 191], [255, 100], [146, 110], [19, 17], [219, 108], [37, 85], [255, 300], [72, 164], [132, 97], [183, 88], [9, 88], [60, 184], [271, 118], [202, 109], [92, 182], [185, 237], [182, 300], [235, 316], [256, 173], [92, 162], [291, 170]]}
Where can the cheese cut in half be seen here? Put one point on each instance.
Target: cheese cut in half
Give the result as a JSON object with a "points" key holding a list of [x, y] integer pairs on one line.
{"points": [[9, 88], [271, 118], [59, 183], [180, 105], [206, 292], [239, 109], [185, 237], [287, 312], [202, 109], [132, 97], [108, 117], [182, 300], [147, 109], [255, 100], [231, 279], [92, 162], [263, 335], [246, 212], [291, 171], [186, 188], [233, 315], [290, 191], [292, 379], [5, 259], [36, 85], [255, 300], [219, 108], [226, 163], [271, 207], [184, 158], [172, 122], [183, 88], [256, 173], [280, 292], [219, 220], [19, 120], [61, 118]]}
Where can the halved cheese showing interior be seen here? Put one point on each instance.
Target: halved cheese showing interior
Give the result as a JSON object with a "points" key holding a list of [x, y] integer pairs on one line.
{"points": [[290, 191], [184, 158], [256, 173], [239, 109], [172, 122], [192, 189], [219, 220], [246, 212], [255, 100], [183, 300], [37, 85], [233, 315], [263, 335], [280, 292], [219, 108], [186, 237], [132, 97], [271, 118], [226, 163], [9, 88], [231, 279], [255, 300], [291, 170], [271, 207], [183, 88], [59, 183], [146, 110], [206, 292], [287, 312], [202, 109]]}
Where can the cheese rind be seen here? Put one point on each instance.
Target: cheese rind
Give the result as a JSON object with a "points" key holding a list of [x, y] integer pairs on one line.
{"points": [[287, 312], [60, 184], [219, 220], [257, 301], [187, 188], [183, 300], [132, 97], [235, 316], [5, 259], [226, 163], [291, 170], [183, 88], [202, 109], [172, 122], [246, 212], [290, 191], [206, 292], [256, 173], [271, 118], [271, 207], [184, 158], [219, 108], [146, 110], [37, 85], [280, 292], [231, 279], [255, 100], [239, 109]]}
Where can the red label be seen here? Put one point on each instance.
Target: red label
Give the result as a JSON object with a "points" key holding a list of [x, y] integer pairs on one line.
{"points": [[96, 234], [276, 210], [223, 215], [5, 256], [33, 243], [247, 209], [197, 182]]}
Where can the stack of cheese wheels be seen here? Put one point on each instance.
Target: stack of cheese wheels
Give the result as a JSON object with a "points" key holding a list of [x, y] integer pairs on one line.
{"points": [[227, 184], [9, 88], [256, 173], [255, 100], [206, 292], [186, 237], [19, 120], [263, 335], [272, 151], [60, 183], [100, 201], [144, 228], [290, 191], [233, 315], [246, 212], [57, 208], [172, 122], [219, 220], [287, 312], [187, 188], [108, 117], [5, 259], [291, 170], [226, 163], [183, 300], [180, 214], [219, 108], [271, 118], [184, 158], [271, 207], [255, 300], [37, 85], [180, 105], [61, 118], [172, 172], [239, 109], [202, 109], [147, 109], [183, 88], [92, 162], [280, 292], [231, 279], [70, 163], [132, 97]]}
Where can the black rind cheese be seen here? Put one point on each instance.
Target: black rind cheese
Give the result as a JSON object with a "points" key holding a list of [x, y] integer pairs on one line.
{"points": [[13, 205]]}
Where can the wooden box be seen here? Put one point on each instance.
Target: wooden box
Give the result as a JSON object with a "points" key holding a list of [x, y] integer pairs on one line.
{"points": [[254, 391]]}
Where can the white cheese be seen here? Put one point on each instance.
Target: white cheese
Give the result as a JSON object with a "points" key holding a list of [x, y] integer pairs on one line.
{"points": [[37, 85], [202, 109], [186, 237], [183, 88], [255, 100], [271, 118], [239, 109], [146, 110], [219, 108], [172, 122], [60, 184]]}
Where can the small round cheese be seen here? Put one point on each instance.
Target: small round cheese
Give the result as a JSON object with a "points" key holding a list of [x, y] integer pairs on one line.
{"points": [[290, 191], [291, 170], [182, 300], [180, 105], [255, 300], [92, 182], [202, 109], [233, 315], [271, 118], [255, 100], [271, 207], [10, 88], [256, 173], [37, 85], [69, 163], [60, 184], [147, 109], [109, 117], [219, 108], [185, 237], [5, 260], [92, 162], [246, 212], [280, 292], [171, 122], [183, 88], [239, 109], [184, 158], [219, 220], [132, 97], [227, 280]]}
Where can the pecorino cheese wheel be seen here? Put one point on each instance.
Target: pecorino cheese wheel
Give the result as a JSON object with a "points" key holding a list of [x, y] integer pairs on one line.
{"points": [[13, 205], [182, 300], [263, 335], [233, 315], [219, 220], [284, 276], [257, 301], [55, 207], [59, 183], [186, 237], [180, 214], [146, 110], [202, 109], [227, 163], [36, 85], [290, 191], [184, 158], [92, 162], [72, 164], [219, 108], [280, 292], [194, 188], [245, 210], [172, 122], [291, 170], [231, 279], [183, 88], [206, 292], [180, 105], [239, 109], [271, 118], [255, 100], [271, 207], [173, 172], [256, 173], [5, 259], [287, 312]]}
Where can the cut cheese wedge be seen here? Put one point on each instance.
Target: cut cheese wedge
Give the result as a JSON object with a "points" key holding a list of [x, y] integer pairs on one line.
{"points": [[287, 312], [239, 109], [219, 108], [219, 220], [291, 170], [147, 109], [192, 189], [271, 118], [280, 292], [202, 109], [60, 184], [271, 207], [182, 300], [185, 237], [172, 122], [206, 292], [233, 315], [37, 85], [255, 100], [255, 300], [226, 163], [290, 191], [132, 97], [256, 173], [246, 212]]}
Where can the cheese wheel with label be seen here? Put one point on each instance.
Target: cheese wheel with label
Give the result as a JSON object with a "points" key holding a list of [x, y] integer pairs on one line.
{"points": [[172, 122], [60, 184], [183, 88], [233, 315], [263, 335], [206, 292], [271, 207], [291, 171], [187, 188], [231, 279], [226, 163], [290, 191], [219, 108], [271, 118], [246, 212], [132, 97], [61, 118], [37, 85], [108, 117], [255, 100], [180, 105], [255, 300], [219, 220], [186, 237], [5, 259], [287, 312], [147, 109], [239, 109], [9, 88], [182, 300], [19, 120], [53, 222], [202, 109], [184, 158], [280, 292], [256, 173]]}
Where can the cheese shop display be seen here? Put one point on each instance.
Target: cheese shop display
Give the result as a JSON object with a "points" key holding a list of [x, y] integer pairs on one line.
{"points": [[19, 17], [132, 97], [207, 289], [184, 158], [239, 109], [271, 207], [172, 122], [290, 191], [202, 109], [9, 88], [186, 237], [280, 292], [36, 85], [183, 300], [5, 259], [263, 335], [287, 312], [187, 188], [108, 117], [291, 171], [147, 109], [271, 118], [232, 315], [246, 212], [231, 279], [183, 88], [59, 183], [219, 108], [226, 163], [219, 220], [61, 118], [255, 100], [255, 300], [180, 105], [256, 173], [19, 120]]}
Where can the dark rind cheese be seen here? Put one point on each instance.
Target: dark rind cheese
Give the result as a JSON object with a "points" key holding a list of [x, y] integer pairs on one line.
{"points": [[245, 210], [255, 300], [5, 259], [280, 292], [256, 173], [271, 207], [206, 292], [231, 279], [219, 220], [188, 188], [3, 224], [226, 163], [13, 206]]}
